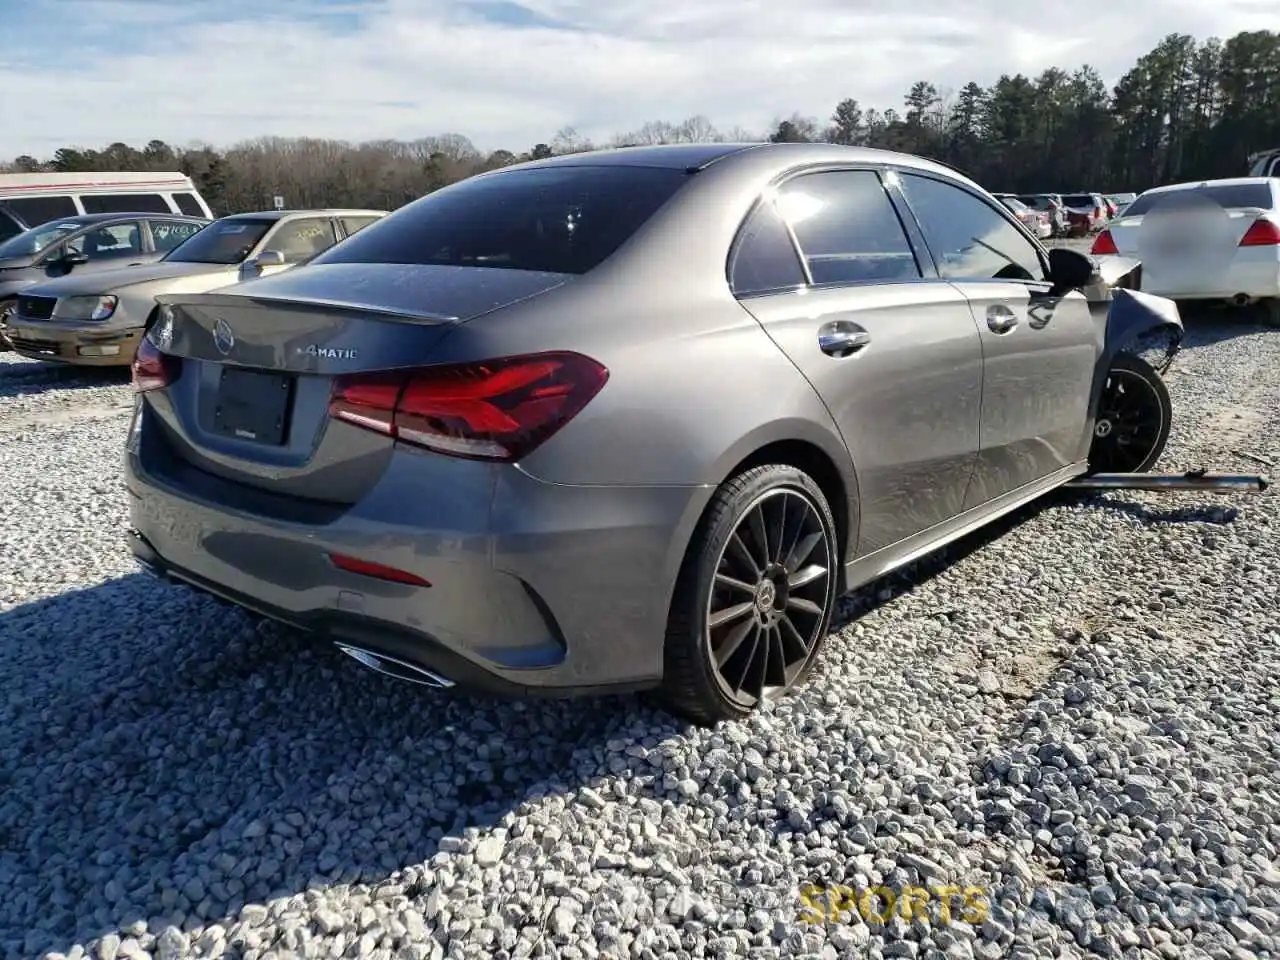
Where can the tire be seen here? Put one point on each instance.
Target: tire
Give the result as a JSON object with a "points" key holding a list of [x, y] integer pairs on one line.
{"points": [[1136, 392], [7, 308], [1271, 312], [790, 614]]}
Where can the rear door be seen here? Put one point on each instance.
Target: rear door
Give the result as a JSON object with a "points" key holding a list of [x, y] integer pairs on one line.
{"points": [[894, 353], [1038, 349]]}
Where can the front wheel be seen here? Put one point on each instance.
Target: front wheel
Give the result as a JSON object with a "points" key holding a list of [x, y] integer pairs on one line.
{"points": [[754, 598], [1133, 420], [7, 309]]}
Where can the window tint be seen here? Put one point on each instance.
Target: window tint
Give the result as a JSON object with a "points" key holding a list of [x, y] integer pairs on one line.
{"points": [[188, 204], [764, 258], [969, 238], [847, 228], [167, 234], [38, 210], [106, 243], [558, 219], [298, 240], [9, 227], [124, 203], [224, 241], [356, 224], [1229, 196]]}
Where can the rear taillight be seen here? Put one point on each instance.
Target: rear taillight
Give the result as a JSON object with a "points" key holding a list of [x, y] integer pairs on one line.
{"points": [[493, 410], [1262, 233], [153, 369], [1098, 213], [1104, 244]]}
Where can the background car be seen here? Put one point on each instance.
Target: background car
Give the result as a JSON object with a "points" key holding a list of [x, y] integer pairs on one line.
{"points": [[1050, 203], [86, 244], [97, 319], [1036, 221], [1215, 240], [1086, 212], [625, 418], [1119, 201]]}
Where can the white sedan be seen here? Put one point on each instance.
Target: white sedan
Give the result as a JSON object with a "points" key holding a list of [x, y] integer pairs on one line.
{"points": [[1216, 240]]}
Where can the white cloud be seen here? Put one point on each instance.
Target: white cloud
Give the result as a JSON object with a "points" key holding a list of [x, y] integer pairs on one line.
{"points": [[87, 72]]}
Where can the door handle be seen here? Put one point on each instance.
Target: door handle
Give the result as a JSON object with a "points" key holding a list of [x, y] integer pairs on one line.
{"points": [[842, 338], [1000, 319]]}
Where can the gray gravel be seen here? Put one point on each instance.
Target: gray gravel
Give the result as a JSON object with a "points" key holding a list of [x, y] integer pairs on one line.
{"points": [[1079, 714]]}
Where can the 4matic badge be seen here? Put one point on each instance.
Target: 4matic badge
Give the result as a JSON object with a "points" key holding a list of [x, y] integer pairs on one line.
{"points": [[328, 353]]}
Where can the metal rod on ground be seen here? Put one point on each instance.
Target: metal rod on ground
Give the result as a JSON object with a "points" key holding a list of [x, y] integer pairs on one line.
{"points": [[1195, 480]]}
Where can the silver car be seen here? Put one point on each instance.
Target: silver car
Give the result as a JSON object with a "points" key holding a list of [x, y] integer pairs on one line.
{"points": [[629, 419], [97, 319]]}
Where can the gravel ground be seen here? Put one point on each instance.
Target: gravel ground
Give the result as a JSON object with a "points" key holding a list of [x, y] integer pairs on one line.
{"points": [[1078, 714]]}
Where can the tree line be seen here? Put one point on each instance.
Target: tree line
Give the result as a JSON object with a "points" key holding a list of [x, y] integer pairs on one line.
{"points": [[1186, 110]]}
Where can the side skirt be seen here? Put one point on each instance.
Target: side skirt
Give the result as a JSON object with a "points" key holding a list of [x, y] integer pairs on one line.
{"points": [[864, 570]]}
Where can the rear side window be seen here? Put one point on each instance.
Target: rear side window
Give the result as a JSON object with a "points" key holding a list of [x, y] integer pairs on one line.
{"points": [[1228, 196], [188, 204], [167, 234], [969, 238], [298, 240], [124, 203], [38, 210], [356, 224], [847, 228], [764, 259], [565, 219]]}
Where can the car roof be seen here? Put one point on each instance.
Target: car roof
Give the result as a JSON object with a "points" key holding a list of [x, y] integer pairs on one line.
{"points": [[282, 214], [88, 219], [699, 156]]}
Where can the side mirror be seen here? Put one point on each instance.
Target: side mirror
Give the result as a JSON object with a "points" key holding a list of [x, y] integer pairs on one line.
{"points": [[72, 258], [1069, 269], [253, 266], [269, 258]]}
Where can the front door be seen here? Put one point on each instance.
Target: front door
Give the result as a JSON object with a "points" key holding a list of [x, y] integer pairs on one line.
{"points": [[1038, 350], [895, 356]]}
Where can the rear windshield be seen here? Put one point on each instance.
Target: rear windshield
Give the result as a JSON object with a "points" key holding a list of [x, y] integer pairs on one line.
{"points": [[1036, 203], [1078, 199], [1228, 197], [223, 241], [1014, 204], [557, 219]]}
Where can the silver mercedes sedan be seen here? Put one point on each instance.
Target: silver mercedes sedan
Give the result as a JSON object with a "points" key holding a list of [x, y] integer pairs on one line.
{"points": [[629, 419]]}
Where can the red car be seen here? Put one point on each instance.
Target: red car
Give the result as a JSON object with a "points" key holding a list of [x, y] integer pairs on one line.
{"points": [[1086, 212]]}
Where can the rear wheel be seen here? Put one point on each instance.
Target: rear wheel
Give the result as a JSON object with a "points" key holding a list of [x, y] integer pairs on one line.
{"points": [[754, 598], [7, 310], [1133, 421], [1271, 312]]}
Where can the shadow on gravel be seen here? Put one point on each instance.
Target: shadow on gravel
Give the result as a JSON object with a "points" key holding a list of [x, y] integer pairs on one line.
{"points": [[21, 378], [1206, 326], [1218, 515], [165, 760]]}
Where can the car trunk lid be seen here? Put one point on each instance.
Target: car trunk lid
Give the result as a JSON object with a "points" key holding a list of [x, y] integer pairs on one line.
{"points": [[258, 365]]}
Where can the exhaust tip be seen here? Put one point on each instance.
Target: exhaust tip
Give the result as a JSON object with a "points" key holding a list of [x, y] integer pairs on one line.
{"points": [[1241, 300], [394, 667]]}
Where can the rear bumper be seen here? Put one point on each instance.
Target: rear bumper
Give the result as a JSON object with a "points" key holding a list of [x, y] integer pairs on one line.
{"points": [[536, 588], [80, 345]]}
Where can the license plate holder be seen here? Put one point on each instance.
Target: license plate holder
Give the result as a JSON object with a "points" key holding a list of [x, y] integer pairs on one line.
{"points": [[253, 406]]}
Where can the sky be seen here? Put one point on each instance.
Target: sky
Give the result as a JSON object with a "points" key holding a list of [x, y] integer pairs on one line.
{"points": [[510, 73]]}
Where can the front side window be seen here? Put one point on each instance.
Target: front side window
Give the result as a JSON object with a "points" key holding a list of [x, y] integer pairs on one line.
{"points": [[106, 243], [566, 219], [847, 228], [38, 210], [969, 238], [226, 242]]}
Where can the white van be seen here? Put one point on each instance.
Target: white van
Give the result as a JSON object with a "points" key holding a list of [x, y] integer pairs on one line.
{"points": [[30, 199]]}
